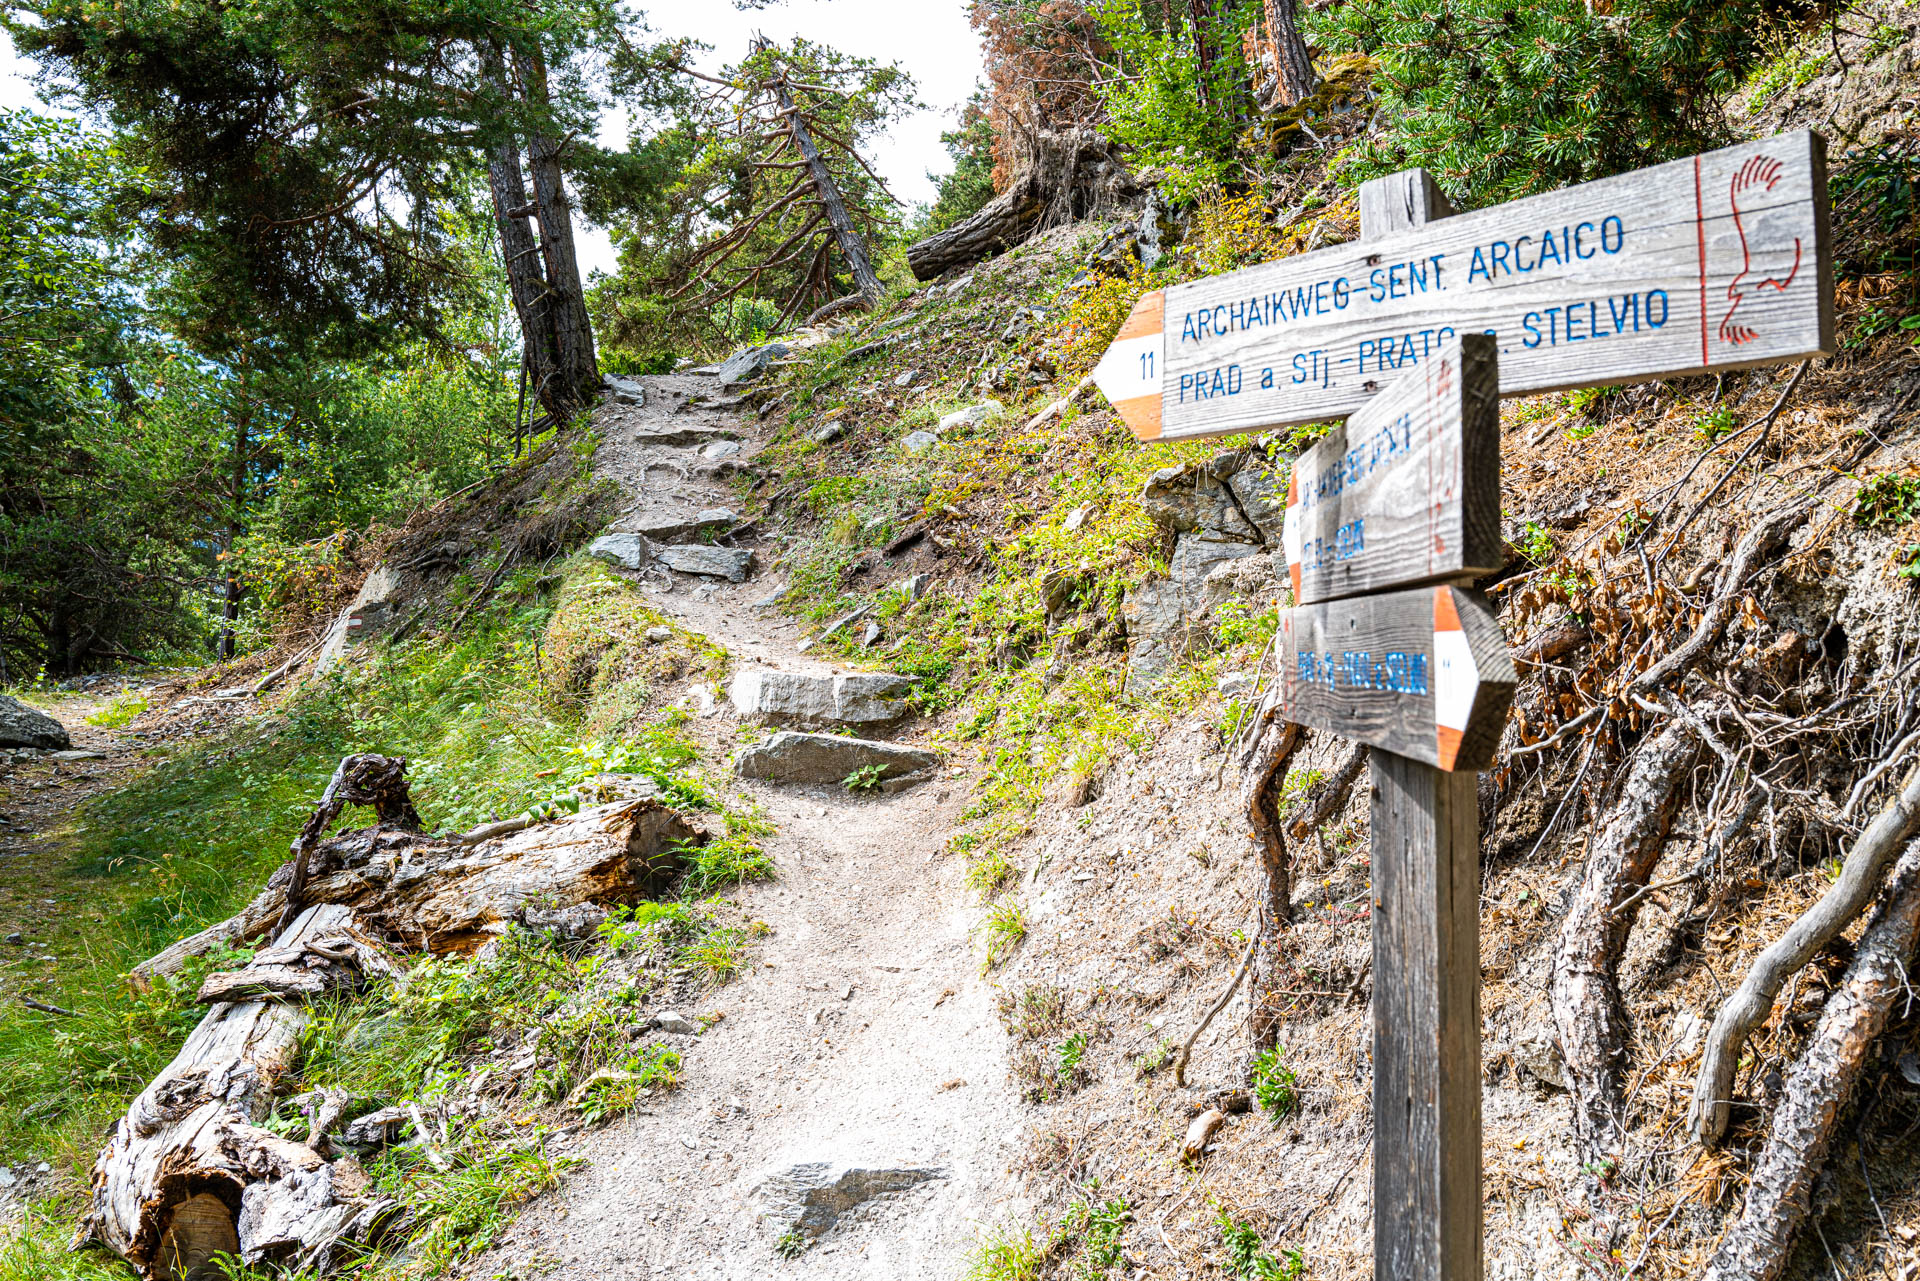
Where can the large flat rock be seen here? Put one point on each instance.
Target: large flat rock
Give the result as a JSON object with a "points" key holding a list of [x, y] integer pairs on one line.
{"points": [[791, 757], [797, 698], [23, 726], [810, 1198], [636, 551]]}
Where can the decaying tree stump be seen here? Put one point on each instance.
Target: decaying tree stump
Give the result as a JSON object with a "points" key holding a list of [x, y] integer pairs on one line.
{"points": [[189, 1172], [1071, 175]]}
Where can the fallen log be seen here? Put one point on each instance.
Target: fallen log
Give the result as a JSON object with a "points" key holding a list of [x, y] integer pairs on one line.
{"points": [[1818, 1089], [189, 1172]]}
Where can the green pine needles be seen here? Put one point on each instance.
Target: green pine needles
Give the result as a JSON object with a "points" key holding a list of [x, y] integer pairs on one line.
{"points": [[1501, 100]]}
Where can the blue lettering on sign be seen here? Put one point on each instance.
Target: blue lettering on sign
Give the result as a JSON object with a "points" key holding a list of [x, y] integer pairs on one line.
{"points": [[1357, 466], [1553, 247], [1396, 672], [1209, 383], [1580, 321], [1321, 298]]}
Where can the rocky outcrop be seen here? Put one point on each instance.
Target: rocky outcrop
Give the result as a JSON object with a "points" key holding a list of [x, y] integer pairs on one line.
{"points": [[801, 699], [790, 757], [810, 1198], [1226, 516], [747, 364], [22, 726]]}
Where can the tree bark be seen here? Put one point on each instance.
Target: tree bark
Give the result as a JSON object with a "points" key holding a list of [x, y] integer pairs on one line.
{"points": [[1585, 991], [1293, 80], [579, 372], [188, 1172], [521, 249], [1072, 175], [1817, 1092]]}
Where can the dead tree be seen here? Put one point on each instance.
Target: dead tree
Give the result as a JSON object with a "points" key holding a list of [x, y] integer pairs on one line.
{"points": [[1068, 176], [788, 127], [190, 1171]]}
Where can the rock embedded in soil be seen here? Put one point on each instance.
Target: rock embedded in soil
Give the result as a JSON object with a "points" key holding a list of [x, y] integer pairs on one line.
{"points": [[23, 726], [748, 363], [663, 527], [803, 699], [626, 391], [790, 757], [687, 435], [971, 416], [730, 563], [810, 1198], [629, 551], [918, 442], [677, 1024]]}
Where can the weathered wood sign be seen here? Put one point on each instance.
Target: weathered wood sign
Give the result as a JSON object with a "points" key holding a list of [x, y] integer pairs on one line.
{"points": [[1408, 490], [1422, 674], [1717, 262]]}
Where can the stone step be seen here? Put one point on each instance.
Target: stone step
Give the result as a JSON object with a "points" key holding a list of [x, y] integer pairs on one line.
{"points": [[806, 700], [792, 757], [636, 551]]}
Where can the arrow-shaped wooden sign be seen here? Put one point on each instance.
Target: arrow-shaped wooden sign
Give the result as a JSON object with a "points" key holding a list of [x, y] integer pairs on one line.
{"points": [[1717, 262], [1408, 489], [1423, 674]]}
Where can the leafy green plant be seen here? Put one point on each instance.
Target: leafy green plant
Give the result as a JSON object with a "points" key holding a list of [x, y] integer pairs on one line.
{"points": [[1714, 424], [792, 1244], [1907, 562], [866, 778], [1247, 1255], [1157, 1057], [1068, 1055], [1890, 498], [1275, 1086], [1535, 543], [1098, 1225], [1004, 1255], [120, 711]]}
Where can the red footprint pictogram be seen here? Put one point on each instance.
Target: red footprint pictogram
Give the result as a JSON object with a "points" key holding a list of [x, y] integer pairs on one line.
{"points": [[1759, 174]]}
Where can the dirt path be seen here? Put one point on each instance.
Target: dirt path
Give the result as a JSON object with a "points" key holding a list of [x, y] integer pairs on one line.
{"points": [[864, 1037]]}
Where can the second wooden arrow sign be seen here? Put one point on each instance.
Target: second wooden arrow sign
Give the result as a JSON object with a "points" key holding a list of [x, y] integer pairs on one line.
{"points": [[1423, 674]]}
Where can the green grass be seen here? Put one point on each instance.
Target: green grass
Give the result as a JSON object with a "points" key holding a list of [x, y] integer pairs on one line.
{"points": [[540, 691], [120, 711], [1004, 926], [1003, 1255], [1248, 1257]]}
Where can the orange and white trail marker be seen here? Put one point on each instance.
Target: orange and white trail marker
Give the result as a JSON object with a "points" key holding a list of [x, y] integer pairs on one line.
{"points": [[1128, 375]]}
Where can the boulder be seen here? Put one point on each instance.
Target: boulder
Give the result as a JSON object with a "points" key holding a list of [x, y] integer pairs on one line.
{"points": [[828, 433], [810, 1198], [1231, 496], [748, 363], [919, 442], [712, 451], [796, 698], [23, 726], [1164, 616], [679, 436], [629, 551], [730, 563], [790, 757], [625, 391]]}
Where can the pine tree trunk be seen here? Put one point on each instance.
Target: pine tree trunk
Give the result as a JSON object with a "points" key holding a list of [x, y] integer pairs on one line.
{"points": [[579, 373], [526, 277], [1293, 69], [852, 247], [236, 500]]}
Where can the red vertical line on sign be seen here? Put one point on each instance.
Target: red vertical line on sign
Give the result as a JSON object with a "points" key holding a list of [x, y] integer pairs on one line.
{"points": [[1700, 230]]}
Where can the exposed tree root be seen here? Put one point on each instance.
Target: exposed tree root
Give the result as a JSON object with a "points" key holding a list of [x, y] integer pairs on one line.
{"points": [[1819, 1087], [1273, 747], [1585, 992], [1329, 796], [1749, 1005]]}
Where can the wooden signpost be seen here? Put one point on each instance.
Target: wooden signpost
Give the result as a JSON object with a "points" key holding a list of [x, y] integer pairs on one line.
{"points": [[1412, 335]]}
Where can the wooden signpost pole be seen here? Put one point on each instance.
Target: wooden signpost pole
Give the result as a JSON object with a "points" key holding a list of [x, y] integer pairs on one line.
{"points": [[1425, 846], [1413, 334]]}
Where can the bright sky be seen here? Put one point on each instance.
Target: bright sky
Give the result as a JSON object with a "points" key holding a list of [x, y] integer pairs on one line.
{"points": [[930, 38]]}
